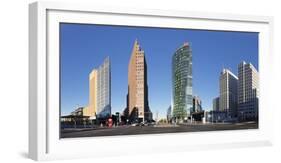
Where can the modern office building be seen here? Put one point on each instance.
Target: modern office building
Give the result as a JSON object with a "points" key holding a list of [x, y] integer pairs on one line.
{"points": [[100, 91], [137, 99], [78, 112], [92, 107], [76, 119], [228, 93], [216, 116], [197, 104], [88, 112], [182, 99], [216, 104], [248, 91]]}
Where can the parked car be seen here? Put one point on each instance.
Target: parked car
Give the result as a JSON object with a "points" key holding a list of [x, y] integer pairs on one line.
{"points": [[134, 124]]}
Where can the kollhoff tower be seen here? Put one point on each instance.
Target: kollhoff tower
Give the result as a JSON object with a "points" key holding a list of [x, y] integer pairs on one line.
{"points": [[137, 98]]}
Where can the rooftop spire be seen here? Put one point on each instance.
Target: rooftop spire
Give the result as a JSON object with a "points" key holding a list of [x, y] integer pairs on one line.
{"points": [[136, 41], [137, 45]]}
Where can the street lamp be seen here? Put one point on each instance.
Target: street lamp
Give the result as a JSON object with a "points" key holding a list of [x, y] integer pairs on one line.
{"points": [[212, 117]]}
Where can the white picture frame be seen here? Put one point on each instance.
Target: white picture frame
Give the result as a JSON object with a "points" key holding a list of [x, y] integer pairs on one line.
{"points": [[44, 141]]}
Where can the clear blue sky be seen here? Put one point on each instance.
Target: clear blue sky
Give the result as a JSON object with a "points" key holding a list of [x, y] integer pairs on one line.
{"points": [[84, 47]]}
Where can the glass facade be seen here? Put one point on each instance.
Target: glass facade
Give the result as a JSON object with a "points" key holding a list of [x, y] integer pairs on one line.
{"points": [[182, 82], [104, 90]]}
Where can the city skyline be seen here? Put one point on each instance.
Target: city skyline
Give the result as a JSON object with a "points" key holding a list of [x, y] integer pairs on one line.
{"points": [[239, 95], [86, 50]]}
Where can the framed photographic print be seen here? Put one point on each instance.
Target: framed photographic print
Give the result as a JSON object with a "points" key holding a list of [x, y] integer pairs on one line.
{"points": [[103, 77]]}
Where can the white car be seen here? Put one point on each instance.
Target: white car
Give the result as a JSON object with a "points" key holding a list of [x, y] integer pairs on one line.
{"points": [[134, 124]]}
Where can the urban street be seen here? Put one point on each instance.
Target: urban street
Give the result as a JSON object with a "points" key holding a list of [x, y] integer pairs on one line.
{"points": [[157, 129]]}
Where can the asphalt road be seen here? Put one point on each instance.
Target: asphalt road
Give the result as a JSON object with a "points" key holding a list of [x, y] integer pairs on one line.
{"points": [[136, 130]]}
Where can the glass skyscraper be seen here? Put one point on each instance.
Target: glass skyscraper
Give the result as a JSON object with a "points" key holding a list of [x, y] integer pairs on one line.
{"points": [[182, 100], [100, 90]]}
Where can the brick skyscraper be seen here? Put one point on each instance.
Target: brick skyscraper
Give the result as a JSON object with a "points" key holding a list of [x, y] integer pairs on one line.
{"points": [[137, 98]]}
